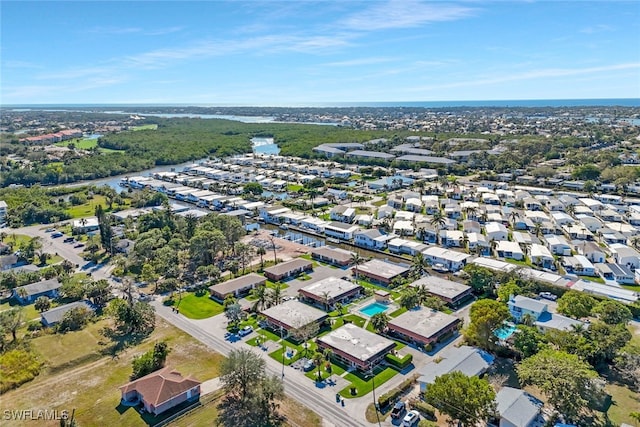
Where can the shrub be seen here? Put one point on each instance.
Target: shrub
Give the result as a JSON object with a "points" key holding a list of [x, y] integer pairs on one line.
{"points": [[424, 408], [18, 367], [399, 362], [389, 397]]}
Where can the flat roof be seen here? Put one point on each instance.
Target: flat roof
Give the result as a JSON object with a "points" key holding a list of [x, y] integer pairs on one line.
{"points": [[337, 254], [373, 154], [40, 287], [382, 268], [443, 287], [357, 342], [333, 287], [425, 159], [294, 314], [424, 321]]}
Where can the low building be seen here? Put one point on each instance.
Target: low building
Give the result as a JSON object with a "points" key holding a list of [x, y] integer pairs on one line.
{"points": [[29, 293], [292, 314], [423, 326], [161, 390], [537, 311], [356, 347], [327, 292], [85, 225], [517, 408], [506, 249], [335, 256], [381, 271], [55, 315], [468, 360], [340, 230], [288, 269], [449, 259], [447, 290], [237, 287]]}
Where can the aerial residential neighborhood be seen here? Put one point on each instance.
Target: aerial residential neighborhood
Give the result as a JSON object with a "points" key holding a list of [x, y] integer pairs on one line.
{"points": [[365, 283]]}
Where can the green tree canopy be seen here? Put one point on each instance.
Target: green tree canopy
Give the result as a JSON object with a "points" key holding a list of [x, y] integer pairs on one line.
{"points": [[567, 381], [486, 316], [576, 304], [468, 400], [612, 312], [505, 290], [250, 394]]}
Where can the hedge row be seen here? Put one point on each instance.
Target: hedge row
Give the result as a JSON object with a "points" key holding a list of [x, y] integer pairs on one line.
{"points": [[390, 397], [399, 362], [424, 408]]}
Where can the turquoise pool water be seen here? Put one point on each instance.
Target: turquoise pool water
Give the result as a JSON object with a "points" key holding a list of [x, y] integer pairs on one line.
{"points": [[506, 331], [374, 308]]}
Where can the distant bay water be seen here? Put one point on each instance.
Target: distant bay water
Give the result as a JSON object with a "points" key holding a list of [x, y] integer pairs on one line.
{"points": [[597, 102]]}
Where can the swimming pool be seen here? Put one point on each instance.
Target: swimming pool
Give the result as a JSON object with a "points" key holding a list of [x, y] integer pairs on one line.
{"points": [[374, 308], [506, 331]]}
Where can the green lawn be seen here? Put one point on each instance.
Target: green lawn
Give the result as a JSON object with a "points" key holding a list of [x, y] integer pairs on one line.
{"points": [[379, 203], [91, 387], [145, 127], [294, 188], [17, 240], [30, 313], [199, 306], [83, 144], [592, 279], [356, 320], [364, 384], [88, 208], [635, 288]]}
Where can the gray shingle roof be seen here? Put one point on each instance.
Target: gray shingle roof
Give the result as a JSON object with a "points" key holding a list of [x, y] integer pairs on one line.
{"points": [[517, 407], [468, 360]]}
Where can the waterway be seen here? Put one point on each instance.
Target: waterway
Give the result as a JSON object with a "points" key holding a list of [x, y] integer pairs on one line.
{"points": [[114, 181], [264, 146]]}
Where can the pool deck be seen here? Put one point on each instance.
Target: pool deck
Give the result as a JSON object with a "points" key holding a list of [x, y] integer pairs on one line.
{"points": [[369, 301]]}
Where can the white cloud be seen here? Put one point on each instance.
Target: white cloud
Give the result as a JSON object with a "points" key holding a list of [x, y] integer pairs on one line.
{"points": [[405, 14], [545, 73]]}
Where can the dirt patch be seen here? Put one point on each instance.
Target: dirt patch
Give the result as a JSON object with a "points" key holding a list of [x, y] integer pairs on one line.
{"points": [[285, 249]]}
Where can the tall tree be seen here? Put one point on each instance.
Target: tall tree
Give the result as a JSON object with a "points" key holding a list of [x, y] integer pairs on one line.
{"points": [[486, 316], [356, 261], [106, 233], [567, 381], [409, 298], [467, 400], [576, 304], [251, 395], [379, 321], [612, 312], [438, 221]]}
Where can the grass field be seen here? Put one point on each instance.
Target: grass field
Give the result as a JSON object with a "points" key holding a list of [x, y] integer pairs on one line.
{"points": [[82, 144], [30, 313], [198, 306], [17, 240], [88, 208], [145, 127], [91, 387]]}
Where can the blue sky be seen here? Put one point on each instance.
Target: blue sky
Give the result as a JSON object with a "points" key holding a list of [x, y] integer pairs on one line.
{"points": [[303, 52]]}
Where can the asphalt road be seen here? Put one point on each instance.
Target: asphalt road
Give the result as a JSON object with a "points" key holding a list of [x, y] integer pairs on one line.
{"points": [[65, 250], [296, 385]]}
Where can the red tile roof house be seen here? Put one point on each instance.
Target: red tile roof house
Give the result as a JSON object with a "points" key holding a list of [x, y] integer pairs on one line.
{"points": [[161, 390]]}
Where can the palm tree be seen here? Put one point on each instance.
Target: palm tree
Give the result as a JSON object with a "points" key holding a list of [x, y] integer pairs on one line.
{"points": [[537, 229], [419, 264], [513, 216], [356, 260], [273, 245], [276, 294], [317, 360], [379, 322], [464, 241], [528, 320], [438, 222], [261, 251], [570, 209], [326, 297], [470, 212], [261, 296], [409, 298], [493, 244]]}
